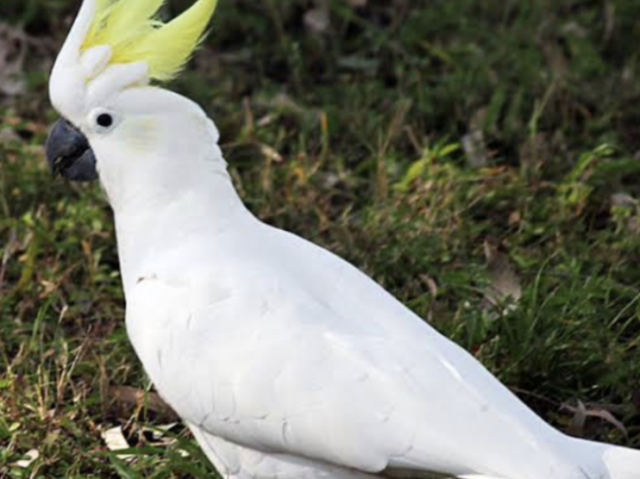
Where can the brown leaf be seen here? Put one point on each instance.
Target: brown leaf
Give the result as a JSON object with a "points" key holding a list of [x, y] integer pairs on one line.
{"points": [[623, 200], [318, 19], [433, 292], [535, 151], [504, 283], [608, 417], [129, 398], [475, 148], [578, 421], [581, 413], [13, 52]]}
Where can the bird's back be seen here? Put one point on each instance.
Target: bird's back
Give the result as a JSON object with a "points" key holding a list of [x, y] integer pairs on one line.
{"points": [[284, 346]]}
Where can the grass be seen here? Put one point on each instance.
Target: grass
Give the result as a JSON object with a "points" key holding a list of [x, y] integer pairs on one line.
{"points": [[353, 138]]}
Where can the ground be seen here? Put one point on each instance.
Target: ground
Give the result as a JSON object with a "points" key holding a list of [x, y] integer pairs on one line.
{"points": [[481, 160]]}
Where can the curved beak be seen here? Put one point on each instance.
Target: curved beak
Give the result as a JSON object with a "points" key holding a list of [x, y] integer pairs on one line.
{"points": [[69, 153]]}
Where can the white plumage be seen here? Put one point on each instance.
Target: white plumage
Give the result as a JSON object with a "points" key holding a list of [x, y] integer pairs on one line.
{"points": [[284, 360]]}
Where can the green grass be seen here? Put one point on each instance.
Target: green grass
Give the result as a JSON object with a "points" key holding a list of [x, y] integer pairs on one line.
{"points": [[352, 137]]}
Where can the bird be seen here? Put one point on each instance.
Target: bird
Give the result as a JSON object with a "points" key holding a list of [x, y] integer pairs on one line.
{"points": [[284, 360]]}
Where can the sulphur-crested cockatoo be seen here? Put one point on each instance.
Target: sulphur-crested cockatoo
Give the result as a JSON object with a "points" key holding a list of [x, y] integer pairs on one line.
{"points": [[284, 360]]}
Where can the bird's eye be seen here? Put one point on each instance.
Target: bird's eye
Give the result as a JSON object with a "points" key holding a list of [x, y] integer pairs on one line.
{"points": [[104, 120]]}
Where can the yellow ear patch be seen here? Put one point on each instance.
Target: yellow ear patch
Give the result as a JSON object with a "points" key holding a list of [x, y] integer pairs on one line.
{"points": [[135, 34]]}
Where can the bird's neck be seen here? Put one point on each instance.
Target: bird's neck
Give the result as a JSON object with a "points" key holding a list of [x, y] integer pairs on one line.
{"points": [[155, 232]]}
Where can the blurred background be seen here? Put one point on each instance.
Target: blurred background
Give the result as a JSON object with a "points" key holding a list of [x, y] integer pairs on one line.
{"points": [[480, 159]]}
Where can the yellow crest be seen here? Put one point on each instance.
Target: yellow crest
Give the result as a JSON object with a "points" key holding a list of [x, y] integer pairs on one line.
{"points": [[135, 34]]}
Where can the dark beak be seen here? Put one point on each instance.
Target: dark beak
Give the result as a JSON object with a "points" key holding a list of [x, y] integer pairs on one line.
{"points": [[69, 153]]}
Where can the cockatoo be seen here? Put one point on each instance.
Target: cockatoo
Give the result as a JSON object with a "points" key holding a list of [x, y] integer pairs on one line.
{"points": [[285, 361]]}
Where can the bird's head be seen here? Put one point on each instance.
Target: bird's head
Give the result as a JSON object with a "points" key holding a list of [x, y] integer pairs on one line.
{"points": [[102, 84]]}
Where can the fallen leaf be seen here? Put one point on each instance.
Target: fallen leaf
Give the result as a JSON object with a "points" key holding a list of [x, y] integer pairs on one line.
{"points": [[578, 421], [130, 398], [270, 153], [431, 284], [535, 151], [159, 435], [581, 413], [514, 218], [433, 292], [624, 200], [504, 289], [359, 63], [115, 441], [475, 148], [13, 52], [318, 19], [627, 209], [8, 135], [29, 458]]}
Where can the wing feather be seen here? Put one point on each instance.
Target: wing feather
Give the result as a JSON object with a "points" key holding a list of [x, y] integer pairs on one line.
{"points": [[307, 356]]}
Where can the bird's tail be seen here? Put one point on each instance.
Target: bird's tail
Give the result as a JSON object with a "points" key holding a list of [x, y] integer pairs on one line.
{"points": [[475, 476], [621, 462]]}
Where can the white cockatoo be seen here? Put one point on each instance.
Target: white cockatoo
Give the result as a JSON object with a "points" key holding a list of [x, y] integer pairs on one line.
{"points": [[284, 360]]}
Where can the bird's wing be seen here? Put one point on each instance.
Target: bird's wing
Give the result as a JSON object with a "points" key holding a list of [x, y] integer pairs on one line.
{"points": [[341, 372]]}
